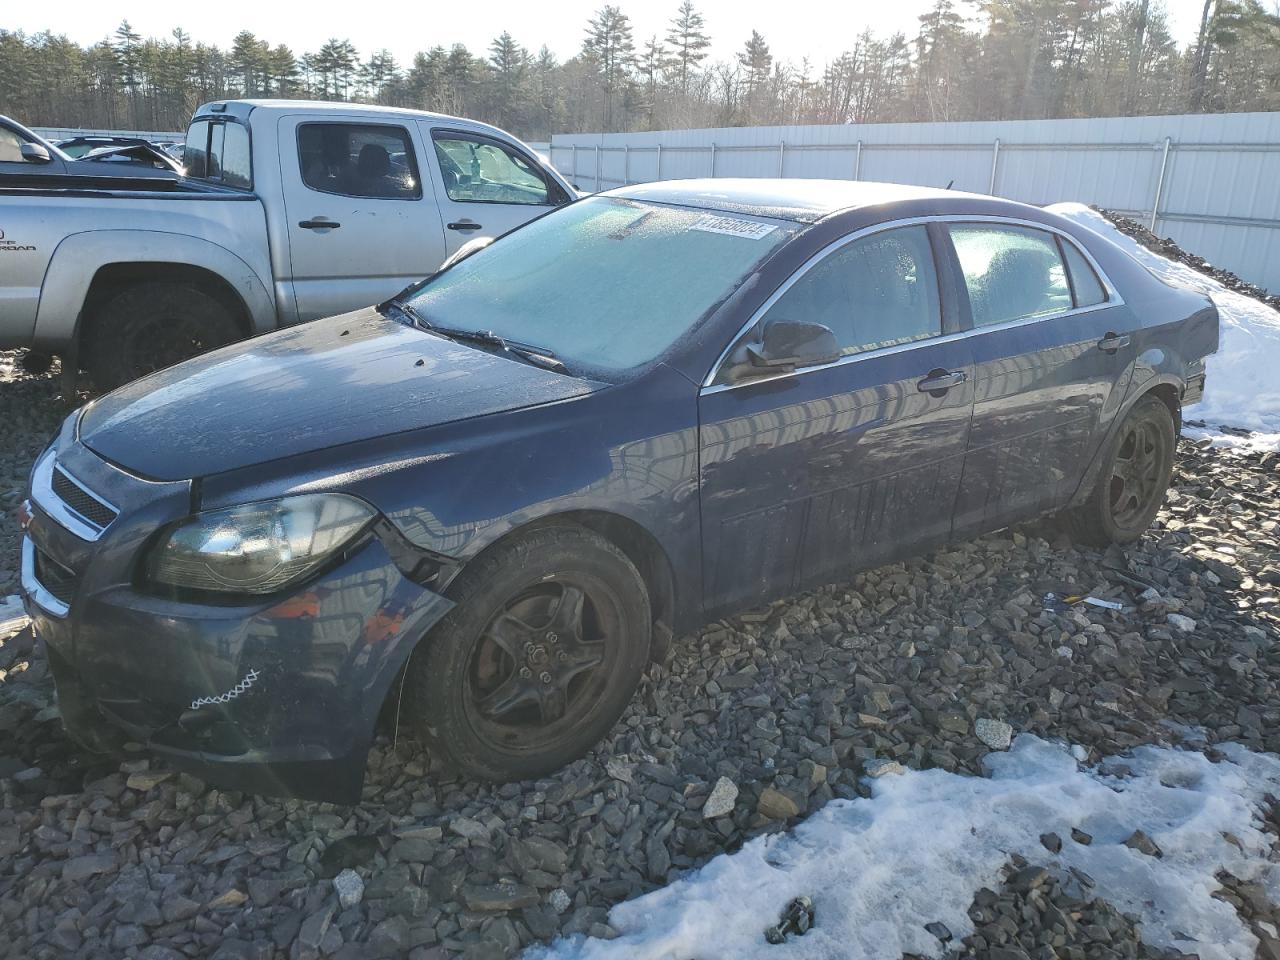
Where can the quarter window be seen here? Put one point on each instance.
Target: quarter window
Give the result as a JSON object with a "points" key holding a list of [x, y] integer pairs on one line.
{"points": [[875, 292], [1085, 284], [488, 172], [359, 160], [1011, 273]]}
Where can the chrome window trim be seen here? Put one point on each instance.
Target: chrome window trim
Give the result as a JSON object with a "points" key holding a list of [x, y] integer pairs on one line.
{"points": [[1113, 295], [34, 588], [48, 501]]}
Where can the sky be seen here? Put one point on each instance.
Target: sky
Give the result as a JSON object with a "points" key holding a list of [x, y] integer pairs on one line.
{"points": [[794, 30]]}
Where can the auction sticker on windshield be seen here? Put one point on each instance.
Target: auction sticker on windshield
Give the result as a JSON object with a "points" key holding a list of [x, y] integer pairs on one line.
{"points": [[733, 227]]}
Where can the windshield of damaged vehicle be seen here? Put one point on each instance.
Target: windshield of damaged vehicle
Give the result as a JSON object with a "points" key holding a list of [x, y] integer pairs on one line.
{"points": [[605, 283]]}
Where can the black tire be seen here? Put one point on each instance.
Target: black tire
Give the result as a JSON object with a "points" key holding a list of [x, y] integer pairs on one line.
{"points": [[1132, 483], [150, 326], [500, 689], [36, 363]]}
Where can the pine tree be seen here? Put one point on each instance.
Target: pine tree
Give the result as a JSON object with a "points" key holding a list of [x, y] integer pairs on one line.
{"points": [[688, 40], [610, 47], [756, 62]]}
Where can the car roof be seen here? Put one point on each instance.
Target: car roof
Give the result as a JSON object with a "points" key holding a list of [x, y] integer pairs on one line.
{"points": [[806, 201]]}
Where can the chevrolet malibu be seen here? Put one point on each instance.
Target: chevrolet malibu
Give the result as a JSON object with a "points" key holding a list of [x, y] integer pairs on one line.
{"points": [[481, 508]]}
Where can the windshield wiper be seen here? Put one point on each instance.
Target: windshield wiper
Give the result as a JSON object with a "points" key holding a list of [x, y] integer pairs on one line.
{"points": [[538, 356]]}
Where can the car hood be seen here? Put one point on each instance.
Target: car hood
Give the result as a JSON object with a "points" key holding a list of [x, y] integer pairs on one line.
{"points": [[319, 385]]}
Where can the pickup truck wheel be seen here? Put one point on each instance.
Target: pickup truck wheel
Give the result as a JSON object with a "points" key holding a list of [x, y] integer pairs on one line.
{"points": [[1134, 478], [36, 363], [538, 659], [151, 326]]}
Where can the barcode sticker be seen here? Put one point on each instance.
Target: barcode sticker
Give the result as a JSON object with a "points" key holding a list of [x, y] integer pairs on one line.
{"points": [[733, 227]]}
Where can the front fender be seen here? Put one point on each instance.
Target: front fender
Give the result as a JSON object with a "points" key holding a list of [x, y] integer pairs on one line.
{"points": [[80, 256]]}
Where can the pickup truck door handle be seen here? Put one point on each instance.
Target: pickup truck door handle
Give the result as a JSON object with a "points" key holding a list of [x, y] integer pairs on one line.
{"points": [[319, 224], [940, 381], [1113, 342], [464, 225]]}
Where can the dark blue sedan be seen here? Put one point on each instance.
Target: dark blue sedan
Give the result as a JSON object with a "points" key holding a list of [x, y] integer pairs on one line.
{"points": [[483, 507]]}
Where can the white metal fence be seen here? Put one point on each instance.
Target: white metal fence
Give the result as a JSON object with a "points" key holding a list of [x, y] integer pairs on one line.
{"points": [[65, 133], [1212, 181]]}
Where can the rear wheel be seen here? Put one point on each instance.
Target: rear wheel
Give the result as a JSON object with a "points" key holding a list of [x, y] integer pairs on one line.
{"points": [[1134, 478], [538, 659], [150, 326]]}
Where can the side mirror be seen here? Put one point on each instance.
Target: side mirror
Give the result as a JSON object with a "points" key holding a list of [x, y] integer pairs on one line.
{"points": [[788, 344], [35, 153]]}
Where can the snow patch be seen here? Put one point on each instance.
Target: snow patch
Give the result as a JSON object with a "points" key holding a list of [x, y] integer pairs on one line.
{"points": [[1241, 389], [879, 869]]}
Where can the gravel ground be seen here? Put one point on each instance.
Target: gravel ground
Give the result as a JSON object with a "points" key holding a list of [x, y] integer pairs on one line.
{"points": [[790, 703]]}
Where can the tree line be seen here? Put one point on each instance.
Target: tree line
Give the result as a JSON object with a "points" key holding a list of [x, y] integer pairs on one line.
{"points": [[968, 60]]}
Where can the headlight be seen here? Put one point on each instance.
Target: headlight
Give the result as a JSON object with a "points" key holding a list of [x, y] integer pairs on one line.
{"points": [[258, 548]]}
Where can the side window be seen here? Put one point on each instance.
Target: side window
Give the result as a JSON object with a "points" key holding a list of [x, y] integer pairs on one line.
{"points": [[1085, 284], [10, 146], [1010, 272], [359, 160], [488, 172], [195, 154], [237, 164], [875, 292]]}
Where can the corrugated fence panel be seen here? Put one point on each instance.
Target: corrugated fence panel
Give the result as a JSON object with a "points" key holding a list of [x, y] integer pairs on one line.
{"points": [[1216, 177]]}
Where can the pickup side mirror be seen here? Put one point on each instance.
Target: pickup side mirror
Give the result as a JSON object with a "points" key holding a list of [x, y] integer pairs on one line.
{"points": [[789, 344], [35, 153]]}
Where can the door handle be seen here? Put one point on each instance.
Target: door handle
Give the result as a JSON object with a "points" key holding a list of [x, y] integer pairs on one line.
{"points": [[320, 224], [465, 225], [1113, 342], [940, 381]]}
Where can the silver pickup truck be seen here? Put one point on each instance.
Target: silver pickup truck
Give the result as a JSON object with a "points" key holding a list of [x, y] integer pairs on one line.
{"points": [[289, 211]]}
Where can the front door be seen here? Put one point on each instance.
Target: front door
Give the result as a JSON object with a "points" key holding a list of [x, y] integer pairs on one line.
{"points": [[362, 222], [808, 475], [1049, 351], [486, 186]]}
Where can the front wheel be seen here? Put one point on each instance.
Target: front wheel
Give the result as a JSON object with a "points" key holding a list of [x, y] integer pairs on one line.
{"points": [[538, 659], [1134, 478]]}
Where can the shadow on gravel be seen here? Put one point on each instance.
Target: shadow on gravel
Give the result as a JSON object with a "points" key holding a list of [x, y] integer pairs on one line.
{"points": [[789, 703]]}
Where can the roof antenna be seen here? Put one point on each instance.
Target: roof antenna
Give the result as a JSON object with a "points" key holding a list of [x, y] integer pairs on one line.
{"points": [[949, 183]]}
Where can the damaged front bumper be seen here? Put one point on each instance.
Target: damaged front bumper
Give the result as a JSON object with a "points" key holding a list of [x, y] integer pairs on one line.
{"points": [[280, 697]]}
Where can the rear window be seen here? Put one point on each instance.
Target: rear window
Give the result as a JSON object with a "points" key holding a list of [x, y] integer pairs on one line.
{"points": [[218, 150]]}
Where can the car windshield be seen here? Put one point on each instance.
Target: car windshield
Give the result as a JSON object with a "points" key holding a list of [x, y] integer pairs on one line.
{"points": [[605, 283]]}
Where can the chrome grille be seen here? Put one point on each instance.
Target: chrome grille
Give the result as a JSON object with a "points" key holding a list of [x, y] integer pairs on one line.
{"points": [[88, 507]]}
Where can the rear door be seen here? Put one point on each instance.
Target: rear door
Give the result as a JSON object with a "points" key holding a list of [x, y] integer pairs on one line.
{"points": [[808, 475], [1051, 346], [486, 186], [362, 223]]}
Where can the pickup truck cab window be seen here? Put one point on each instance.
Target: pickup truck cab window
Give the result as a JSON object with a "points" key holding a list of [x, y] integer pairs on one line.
{"points": [[1011, 273], [218, 150], [476, 169], [879, 291], [373, 161]]}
